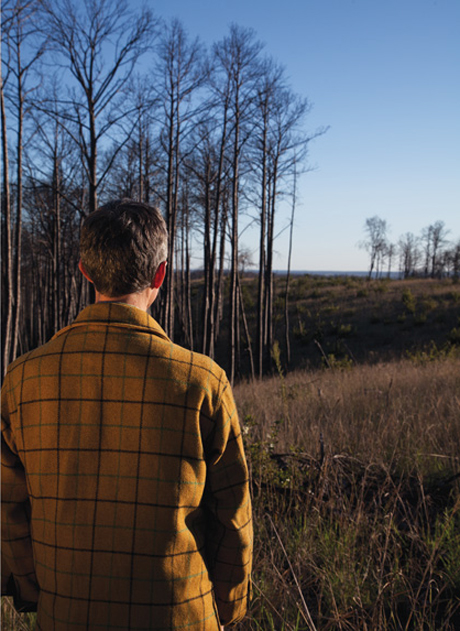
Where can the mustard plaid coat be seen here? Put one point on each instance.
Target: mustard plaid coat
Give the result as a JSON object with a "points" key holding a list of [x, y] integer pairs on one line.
{"points": [[125, 487]]}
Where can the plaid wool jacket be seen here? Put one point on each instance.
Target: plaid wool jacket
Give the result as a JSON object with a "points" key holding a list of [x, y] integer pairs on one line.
{"points": [[124, 483]]}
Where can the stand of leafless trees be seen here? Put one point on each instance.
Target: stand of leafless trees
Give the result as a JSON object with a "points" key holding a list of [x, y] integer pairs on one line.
{"points": [[100, 102], [430, 255]]}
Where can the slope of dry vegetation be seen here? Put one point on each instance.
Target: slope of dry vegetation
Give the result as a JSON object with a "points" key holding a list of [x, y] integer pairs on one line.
{"points": [[356, 497], [342, 319], [359, 320]]}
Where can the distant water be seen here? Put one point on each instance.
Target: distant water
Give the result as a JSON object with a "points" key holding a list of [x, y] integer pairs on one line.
{"points": [[393, 275]]}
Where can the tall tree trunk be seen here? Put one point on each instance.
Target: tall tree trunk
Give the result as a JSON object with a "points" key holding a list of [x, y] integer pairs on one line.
{"points": [[261, 279], [188, 279], [269, 269], [57, 255], [141, 160], [220, 279], [246, 331], [288, 272], [92, 159], [234, 296], [171, 224], [146, 176], [18, 248], [8, 254], [207, 261], [216, 292]]}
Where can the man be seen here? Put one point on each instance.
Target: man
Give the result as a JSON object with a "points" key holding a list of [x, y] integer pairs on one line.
{"points": [[125, 487]]}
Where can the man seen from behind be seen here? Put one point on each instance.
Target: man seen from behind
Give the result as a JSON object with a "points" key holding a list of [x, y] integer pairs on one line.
{"points": [[124, 482]]}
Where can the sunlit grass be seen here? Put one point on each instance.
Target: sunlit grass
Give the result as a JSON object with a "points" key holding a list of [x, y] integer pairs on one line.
{"points": [[357, 472]]}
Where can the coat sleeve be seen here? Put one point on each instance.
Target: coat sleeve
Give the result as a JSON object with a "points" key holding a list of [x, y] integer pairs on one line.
{"points": [[18, 573], [229, 535]]}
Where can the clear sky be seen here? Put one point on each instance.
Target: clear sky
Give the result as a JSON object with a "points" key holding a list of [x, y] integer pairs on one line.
{"points": [[385, 76]]}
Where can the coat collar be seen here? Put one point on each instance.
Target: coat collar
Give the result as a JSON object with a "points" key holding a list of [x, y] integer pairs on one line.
{"points": [[119, 315]]}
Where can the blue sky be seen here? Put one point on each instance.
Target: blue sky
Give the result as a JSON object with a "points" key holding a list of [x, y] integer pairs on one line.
{"points": [[385, 76]]}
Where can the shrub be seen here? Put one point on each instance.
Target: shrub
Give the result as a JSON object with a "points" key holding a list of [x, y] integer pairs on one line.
{"points": [[454, 336], [409, 301], [428, 304], [454, 296], [336, 363]]}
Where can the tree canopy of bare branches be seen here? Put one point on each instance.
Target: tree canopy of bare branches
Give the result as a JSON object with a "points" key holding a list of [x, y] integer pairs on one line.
{"points": [[99, 101]]}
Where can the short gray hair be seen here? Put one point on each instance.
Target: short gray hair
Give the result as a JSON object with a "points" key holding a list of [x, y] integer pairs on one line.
{"points": [[121, 246]]}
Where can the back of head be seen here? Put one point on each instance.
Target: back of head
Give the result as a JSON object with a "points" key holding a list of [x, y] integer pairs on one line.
{"points": [[121, 246]]}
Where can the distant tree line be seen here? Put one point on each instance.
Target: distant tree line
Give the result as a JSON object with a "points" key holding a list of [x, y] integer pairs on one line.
{"points": [[429, 255], [98, 102]]}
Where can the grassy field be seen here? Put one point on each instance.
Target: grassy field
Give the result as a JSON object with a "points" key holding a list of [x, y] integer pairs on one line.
{"points": [[356, 497], [356, 320], [355, 461]]}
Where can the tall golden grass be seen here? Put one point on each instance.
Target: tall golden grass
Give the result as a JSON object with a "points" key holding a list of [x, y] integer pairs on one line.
{"points": [[356, 497]]}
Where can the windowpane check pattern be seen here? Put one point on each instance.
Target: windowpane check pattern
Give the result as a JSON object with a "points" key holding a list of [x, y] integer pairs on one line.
{"points": [[124, 482]]}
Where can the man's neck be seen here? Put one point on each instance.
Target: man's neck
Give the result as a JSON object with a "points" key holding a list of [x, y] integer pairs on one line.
{"points": [[142, 300]]}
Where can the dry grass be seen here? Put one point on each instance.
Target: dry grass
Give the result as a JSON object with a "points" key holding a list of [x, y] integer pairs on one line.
{"points": [[379, 412], [13, 621], [356, 497]]}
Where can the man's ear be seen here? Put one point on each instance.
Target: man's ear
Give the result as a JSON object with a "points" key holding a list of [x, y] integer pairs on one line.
{"points": [[83, 271], [159, 275]]}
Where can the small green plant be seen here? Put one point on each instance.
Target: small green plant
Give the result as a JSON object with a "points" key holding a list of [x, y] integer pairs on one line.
{"points": [[276, 356], [454, 336], [331, 309], [429, 353], [409, 300], [382, 286], [420, 319], [444, 542], [454, 296], [345, 330], [336, 363], [247, 296], [428, 305], [301, 332]]}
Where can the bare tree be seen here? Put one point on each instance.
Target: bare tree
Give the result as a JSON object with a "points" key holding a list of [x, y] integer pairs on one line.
{"points": [[178, 75], [390, 252], [409, 254], [439, 233], [376, 242], [288, 271], [288, 147], [7, 258], [270, 83], [237, 63], [220, 115], [23, 47], [52, 181], [203, 167], [433, 238], [427, 240], [99, 42], [456, 260]]}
